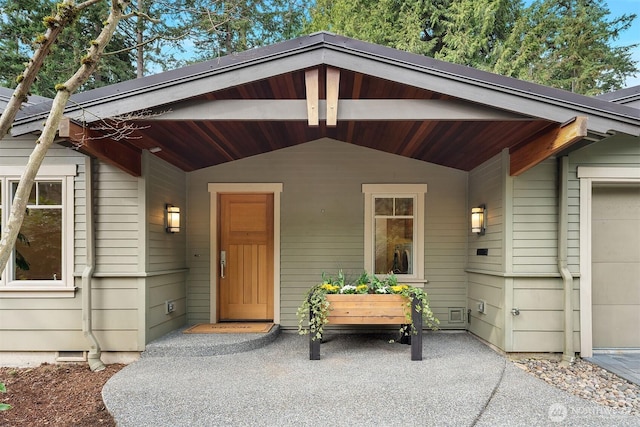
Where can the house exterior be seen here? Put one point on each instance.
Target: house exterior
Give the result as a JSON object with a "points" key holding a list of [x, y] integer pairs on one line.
{"points": [[319, 154]]}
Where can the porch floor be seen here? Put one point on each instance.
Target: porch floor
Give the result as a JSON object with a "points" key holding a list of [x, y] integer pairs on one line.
{"points": [[179, 344], [625, 365]]}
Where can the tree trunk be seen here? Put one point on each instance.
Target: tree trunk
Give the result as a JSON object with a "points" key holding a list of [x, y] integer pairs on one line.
{"points": [[89, 63], [139, 42]]}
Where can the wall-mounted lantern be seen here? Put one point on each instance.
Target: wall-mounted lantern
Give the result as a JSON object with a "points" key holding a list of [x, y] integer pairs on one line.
{"points": [[172, 217], [479, 220]]}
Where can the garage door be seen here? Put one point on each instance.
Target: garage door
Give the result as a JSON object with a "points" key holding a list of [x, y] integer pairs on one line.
{"points": [[616, 265]]}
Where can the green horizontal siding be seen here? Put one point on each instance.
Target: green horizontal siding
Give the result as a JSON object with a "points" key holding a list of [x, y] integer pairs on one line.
{"points": [[322, 219]]}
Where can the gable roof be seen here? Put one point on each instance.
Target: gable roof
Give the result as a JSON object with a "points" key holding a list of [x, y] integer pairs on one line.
{"points": [[6, 94], [252, 102], [629, 96]]}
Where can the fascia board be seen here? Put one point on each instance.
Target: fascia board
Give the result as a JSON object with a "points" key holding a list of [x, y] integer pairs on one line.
{"points": [[32, 117], [166, 93], [475, 76], [462, 82], [603, 116]]}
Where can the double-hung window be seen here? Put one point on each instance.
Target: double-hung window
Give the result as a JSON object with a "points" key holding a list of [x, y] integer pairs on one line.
{"points": [[394, 230], [42, 258]]}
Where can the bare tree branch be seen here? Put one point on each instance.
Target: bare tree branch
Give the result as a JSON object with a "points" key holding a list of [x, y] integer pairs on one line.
{"points": [[139, 14], [134, 47], [119, 128], [86, 4]]}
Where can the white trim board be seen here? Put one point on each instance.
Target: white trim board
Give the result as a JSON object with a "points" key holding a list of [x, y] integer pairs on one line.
{"points": [[394, 190], [588, 176], [64, 288]]}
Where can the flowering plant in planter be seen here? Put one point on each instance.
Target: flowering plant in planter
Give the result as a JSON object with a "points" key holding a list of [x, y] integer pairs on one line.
{"points": [[316, 308]]}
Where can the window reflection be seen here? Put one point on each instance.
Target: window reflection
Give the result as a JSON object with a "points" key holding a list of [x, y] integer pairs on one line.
{"points": [[38, 249], [394, 238]]}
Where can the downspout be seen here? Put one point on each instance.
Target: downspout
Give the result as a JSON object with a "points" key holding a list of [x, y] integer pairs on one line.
{"points": [[568, 355], [95, 364]]}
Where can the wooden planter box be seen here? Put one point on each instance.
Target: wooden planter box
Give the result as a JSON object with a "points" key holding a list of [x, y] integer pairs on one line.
{"points": [[371, 309], [367, 309]]}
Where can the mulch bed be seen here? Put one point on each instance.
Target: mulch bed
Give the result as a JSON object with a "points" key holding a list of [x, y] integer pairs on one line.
{"points": [[56, 395]]}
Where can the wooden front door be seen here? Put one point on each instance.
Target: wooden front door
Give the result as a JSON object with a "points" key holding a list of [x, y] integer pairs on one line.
{"points": [[246, 257]]}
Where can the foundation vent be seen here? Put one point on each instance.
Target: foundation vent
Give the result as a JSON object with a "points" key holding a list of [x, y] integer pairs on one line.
{"points": [[71, 356], [456, 314]]}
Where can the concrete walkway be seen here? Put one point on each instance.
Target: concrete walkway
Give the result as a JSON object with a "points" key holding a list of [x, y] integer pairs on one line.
{"points": [[362, 380]]}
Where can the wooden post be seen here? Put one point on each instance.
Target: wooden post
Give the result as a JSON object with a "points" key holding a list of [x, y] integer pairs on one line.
{"points": [[314, 349], [314, 344], [416, 340]]}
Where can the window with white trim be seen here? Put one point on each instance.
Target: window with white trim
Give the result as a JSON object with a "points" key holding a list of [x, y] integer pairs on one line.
{"points": [[394, 230], [43, 254]]}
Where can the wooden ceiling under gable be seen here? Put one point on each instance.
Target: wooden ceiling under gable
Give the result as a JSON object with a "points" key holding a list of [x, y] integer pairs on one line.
{"points": [[192, 144]]}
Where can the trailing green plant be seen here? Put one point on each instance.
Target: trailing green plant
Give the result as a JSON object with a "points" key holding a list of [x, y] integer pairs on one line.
{"points": [[412, 294], [3, 406], [315, 307]]}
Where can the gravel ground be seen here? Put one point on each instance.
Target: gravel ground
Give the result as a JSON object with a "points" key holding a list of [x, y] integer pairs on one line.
{"points": [[359, 381], [69, 394], [587, 381]]}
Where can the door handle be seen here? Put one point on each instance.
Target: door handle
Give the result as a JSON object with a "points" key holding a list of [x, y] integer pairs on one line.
{"points": [[223, 262]]}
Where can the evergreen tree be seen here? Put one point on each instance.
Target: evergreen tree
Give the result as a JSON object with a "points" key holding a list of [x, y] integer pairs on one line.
{"points": [[470, 32], [568, 44], [461, 31], [395, 23], [19, 23], [21, 20], [210, 28], [561, 43]]}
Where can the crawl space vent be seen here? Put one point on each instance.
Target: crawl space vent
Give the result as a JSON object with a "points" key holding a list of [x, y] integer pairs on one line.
{"points": [[456, 314]]}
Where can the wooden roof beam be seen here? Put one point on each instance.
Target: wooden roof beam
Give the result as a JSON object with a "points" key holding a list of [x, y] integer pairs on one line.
{"points": [[350, 109], [108, 150], [526, 156]]}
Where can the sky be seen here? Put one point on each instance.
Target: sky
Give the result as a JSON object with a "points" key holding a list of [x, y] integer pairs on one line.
{"points": [[632, 35]]}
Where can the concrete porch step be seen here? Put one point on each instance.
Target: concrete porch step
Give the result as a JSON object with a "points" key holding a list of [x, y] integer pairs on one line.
{"points": [[179, 344]]}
